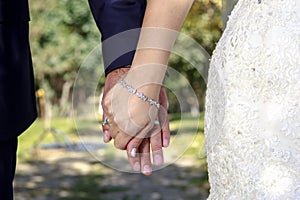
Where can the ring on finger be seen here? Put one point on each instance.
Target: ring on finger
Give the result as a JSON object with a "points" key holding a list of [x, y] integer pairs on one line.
{"points": [[105, 122]]}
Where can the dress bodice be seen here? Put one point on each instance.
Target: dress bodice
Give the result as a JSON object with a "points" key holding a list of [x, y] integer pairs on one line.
{"points": [[252, 119]]}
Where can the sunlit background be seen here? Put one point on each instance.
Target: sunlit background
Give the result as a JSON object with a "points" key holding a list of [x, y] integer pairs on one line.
{"points": [[52, 165]]}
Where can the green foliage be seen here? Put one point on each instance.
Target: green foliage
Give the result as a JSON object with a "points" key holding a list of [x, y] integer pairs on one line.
{"points": [[63, 33], [204, 25]]}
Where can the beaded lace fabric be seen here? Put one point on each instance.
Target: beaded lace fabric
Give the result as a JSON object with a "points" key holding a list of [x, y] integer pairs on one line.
{"points": [[252, 121]]}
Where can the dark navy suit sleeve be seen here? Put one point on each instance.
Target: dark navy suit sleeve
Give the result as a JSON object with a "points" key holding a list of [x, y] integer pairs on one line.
{"points": [[121, 19]]}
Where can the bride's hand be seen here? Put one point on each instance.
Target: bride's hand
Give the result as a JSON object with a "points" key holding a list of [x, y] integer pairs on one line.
{"points": [[111, 80], [128, 115], [131, 120], [159, 137]]}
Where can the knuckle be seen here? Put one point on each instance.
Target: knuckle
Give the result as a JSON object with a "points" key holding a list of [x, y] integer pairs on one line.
{"points": [[119, 145], [136, 142], [156, 145], [104, 105]]}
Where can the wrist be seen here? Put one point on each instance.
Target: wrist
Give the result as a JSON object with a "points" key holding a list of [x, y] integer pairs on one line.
{"points": [[147, 74], [147, 93], [114, 76], [147, 79]]}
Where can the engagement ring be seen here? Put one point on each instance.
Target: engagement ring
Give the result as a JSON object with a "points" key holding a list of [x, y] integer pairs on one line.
{"points": [[105, 122]]}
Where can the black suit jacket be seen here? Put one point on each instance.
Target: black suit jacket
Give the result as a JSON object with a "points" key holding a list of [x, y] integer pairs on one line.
{"points": [[14, 10], [17, 93]]}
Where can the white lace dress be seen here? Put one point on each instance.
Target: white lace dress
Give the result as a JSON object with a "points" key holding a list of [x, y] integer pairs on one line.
{"points": [[252, 121]]}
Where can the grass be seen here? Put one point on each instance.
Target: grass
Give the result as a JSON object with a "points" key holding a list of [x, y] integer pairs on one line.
{"points": [[31, 136], [89, 186]]}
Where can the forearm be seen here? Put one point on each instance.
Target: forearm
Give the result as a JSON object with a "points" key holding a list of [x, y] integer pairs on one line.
{"points": [[161, 24]]}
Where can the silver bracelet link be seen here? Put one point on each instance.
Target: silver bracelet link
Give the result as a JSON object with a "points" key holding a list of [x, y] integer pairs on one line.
{"points": [[139, 94]]}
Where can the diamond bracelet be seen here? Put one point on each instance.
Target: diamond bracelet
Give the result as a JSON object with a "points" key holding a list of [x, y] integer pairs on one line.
{"points": [[139, 94]]}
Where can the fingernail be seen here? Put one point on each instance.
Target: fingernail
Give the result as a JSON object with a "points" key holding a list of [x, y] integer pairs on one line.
{"points": [[166, 142], [137, 166], [106, 136], [147, 169], [133, 152], [158, 160]]}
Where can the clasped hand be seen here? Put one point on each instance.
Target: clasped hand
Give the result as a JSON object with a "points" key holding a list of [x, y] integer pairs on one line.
{"points": [[132, 122]]}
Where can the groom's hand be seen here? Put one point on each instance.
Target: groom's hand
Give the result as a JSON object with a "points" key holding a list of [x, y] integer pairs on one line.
{"points": [[111, 80], [159, 136], [138, 147]]}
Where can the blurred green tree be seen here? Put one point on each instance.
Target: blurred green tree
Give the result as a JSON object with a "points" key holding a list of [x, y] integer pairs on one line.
{"points": [[204, 25], [63, 33]]}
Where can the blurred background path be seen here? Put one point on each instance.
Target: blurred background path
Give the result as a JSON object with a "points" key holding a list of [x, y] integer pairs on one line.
{"points": [[59, 174]]}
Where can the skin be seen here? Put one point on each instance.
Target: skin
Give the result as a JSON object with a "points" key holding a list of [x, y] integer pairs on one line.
{"points": [[160, 135], [132, 120]]}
